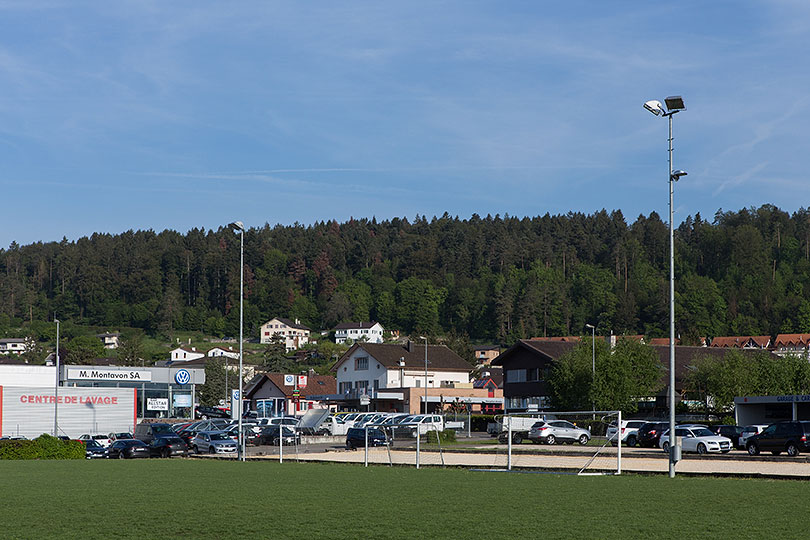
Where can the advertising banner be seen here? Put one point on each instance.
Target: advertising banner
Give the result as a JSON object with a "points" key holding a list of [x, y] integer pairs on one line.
{"points": [[157, 404], [101, 374], [29, 411]]}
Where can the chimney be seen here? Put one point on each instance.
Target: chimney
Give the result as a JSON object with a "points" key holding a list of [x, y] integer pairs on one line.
{"points": [[410, 346]]}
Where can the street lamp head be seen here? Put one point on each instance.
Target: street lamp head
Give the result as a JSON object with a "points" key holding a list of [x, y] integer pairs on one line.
{"points": [[655, 107], [675, 103], [590, 327], [237, 226], [677, 174]]}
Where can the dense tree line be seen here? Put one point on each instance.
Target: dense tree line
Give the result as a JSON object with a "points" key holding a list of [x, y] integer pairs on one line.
{"points": [[487, 278]]}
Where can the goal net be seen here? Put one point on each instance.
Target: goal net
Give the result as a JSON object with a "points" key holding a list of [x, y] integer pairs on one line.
{"points": [[577, 442]]}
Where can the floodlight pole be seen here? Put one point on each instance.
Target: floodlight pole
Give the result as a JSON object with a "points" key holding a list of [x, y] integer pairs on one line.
{"points": [[672, 439], [240, 227], [674, 105], [56, 386], [426, 376]]}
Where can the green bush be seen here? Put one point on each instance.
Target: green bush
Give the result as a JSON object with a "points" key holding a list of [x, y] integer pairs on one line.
{"points": [[43, 447], [446, 436]]}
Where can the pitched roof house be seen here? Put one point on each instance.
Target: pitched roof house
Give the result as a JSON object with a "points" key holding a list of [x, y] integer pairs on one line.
{"points": [[371, 332], [293, 333]]}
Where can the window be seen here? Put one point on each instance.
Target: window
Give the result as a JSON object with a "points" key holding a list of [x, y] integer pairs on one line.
{"points": [[516, 375], [418, 383], [376, 384], [345, 387], [361, 385], [361, 363], [532, 375]]}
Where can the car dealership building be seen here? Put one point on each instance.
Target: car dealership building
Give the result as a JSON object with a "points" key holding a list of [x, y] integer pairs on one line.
{"points": [[93, 398]]}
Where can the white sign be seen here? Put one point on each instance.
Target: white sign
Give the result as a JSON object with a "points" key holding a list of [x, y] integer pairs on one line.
{"points": [[302, 381], [182, 400], [365, 400], [289, 380], [157, 404], [96, 374]]}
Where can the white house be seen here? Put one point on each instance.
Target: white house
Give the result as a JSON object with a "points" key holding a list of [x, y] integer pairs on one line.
{"points": [[377, 366], [223, 351], [13, 345], [370, 332], [110, 340], [293, 333], [184, 354]]}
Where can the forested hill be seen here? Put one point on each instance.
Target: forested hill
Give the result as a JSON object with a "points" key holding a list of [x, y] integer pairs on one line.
{"points": [[493, 279]]}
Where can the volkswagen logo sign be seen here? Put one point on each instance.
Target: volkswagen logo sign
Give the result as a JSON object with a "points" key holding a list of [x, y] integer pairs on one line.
{"points": [[182, 376]]}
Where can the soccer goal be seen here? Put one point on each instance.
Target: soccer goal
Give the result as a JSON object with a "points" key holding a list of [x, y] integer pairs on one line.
{"points": [[576, 442]]}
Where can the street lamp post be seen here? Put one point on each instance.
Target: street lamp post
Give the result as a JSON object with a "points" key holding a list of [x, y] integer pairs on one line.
{"points": [[56, 386], [240, 227], [674, 105], [593, 362], [426, 373]]}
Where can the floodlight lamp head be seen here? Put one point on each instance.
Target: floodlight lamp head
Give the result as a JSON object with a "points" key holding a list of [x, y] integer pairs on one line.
{"points": [[237, 226], [655, 107], [675, 103], [677, 174], [590, 327]]}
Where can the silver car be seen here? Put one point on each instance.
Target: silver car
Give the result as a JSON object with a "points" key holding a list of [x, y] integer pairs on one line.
{"points": [[558, 431], [213, 442]]}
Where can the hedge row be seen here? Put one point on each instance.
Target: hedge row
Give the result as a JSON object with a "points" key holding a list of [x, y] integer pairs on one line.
{"points": [[446, 436], [43, 447]]}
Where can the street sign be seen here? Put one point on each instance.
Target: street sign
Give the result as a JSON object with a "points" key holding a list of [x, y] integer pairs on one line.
{"points": [[365, 400]]}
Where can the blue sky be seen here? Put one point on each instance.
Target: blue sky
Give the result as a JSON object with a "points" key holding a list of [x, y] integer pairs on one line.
{"points": [[154, 115]]}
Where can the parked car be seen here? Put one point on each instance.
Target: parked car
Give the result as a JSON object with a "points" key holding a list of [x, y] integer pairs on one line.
{"points": [[423, 423], [204, 413], [697, 439], [103, 440], [356, 438], [732, 432], [649, 434], [791, 437], [148, 432], [213, 442], [169, 446], [93, 449], [558, 431], [629, 432], [127, 449], [122, 435], [270, 435], [748, 432], [290, 421]]}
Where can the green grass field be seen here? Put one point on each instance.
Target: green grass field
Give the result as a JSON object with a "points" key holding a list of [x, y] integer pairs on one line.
{"points": [[181, 498]]}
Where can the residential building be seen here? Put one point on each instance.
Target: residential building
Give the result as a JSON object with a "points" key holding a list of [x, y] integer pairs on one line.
{"points": [[110, 340], [799, 344], [275, 394], [293, 333], [484, 355], [228, 352], [369, 332], [394, 377], [742, 342], [14, 345], [184, 354]]}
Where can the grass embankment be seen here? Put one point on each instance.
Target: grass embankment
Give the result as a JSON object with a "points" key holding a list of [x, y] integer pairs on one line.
{"points": [[219, 499]]}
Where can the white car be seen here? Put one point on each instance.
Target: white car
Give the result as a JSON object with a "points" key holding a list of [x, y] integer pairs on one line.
{"points": [[697, 439], [749, 431], [629, 432], [103, 440]]}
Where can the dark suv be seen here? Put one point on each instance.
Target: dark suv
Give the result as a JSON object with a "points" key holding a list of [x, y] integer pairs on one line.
{"points": [[356, 437], [791, 437], [730, 432], [650, 433]]}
